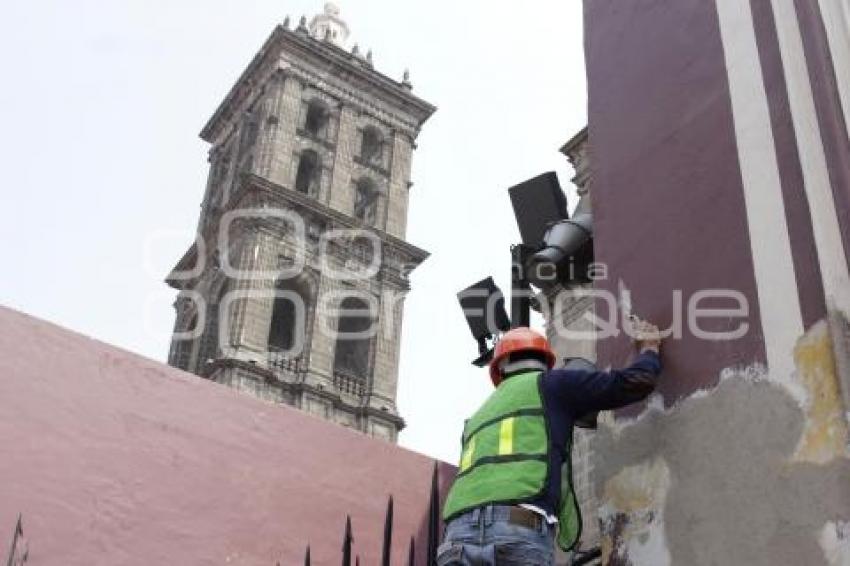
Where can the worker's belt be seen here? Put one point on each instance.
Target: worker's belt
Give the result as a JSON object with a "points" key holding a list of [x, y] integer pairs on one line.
{"points": [[523, 517]]}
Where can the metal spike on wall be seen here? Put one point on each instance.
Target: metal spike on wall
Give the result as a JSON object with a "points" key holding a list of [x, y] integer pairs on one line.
{"points": [[434, 518], [434, 528], [388, 534], [18, 556], [346, 542]]}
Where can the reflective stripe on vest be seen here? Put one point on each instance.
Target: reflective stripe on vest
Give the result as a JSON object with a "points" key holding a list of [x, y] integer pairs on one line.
{"points": [[505, 454], [506, 436]]}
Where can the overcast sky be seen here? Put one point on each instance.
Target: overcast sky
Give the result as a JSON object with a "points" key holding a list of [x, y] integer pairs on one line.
{"points": [[103, 170]]}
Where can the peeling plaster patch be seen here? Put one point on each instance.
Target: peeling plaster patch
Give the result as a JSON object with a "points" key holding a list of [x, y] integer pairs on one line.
{"points": [[734, 495], [633, 515], [835, 542], [746, 472], [814, 386], [654, 406], [758, 373], [825, 434], [655, 403]]}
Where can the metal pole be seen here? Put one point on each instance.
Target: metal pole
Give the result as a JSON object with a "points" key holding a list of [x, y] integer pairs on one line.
{"points": [[520, 289]]}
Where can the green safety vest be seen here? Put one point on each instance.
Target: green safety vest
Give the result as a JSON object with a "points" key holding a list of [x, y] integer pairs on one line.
{"points": [[505, 456]]}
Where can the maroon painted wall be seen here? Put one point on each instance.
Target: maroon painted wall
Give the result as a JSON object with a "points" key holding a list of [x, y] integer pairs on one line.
{"points": [[798, 216], [833, 128], [114, 460], [667, 186], [667, 191]]}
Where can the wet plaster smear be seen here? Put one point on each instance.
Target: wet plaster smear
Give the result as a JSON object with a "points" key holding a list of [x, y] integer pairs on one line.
{"points": [[754, 471]]}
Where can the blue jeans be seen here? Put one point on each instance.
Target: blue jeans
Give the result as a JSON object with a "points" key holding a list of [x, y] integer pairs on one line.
{"points": [[484, 537]]}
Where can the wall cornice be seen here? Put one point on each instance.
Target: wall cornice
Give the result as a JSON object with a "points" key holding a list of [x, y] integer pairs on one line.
{"points": [[334, 69]]}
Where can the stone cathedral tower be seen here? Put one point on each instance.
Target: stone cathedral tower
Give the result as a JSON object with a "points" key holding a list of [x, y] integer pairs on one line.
{"points": [[293, 289]]}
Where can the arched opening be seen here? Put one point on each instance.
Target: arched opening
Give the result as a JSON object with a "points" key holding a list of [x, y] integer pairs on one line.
{"points": [[366, 201], [288, 328], [354, 332], [316, 122], [309, 173], [371, 145]]}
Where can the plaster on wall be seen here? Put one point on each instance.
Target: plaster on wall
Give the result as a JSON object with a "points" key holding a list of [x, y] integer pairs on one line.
{"points": [[835, 542], [825, 434], [734, 475], [633, 515]]}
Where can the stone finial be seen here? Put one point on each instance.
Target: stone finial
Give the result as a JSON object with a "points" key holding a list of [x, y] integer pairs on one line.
{"points": [[355, 50], [286, 22], [328, 35], [405, 80], [369, 57], [302, 24]]}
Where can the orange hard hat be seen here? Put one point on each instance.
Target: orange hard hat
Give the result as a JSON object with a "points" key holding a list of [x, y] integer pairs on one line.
{"points": [[519, 340]]}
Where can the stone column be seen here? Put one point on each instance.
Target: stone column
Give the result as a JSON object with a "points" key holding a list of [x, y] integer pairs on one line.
{"points": [[341, 198], [282, 143], [323, 342], [270, 113], [388, 345], [569, 313], [402, 152], [248, 318]]}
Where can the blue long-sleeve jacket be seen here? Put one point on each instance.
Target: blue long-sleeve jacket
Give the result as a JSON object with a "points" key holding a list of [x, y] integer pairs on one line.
{"points": [[570, 394]]}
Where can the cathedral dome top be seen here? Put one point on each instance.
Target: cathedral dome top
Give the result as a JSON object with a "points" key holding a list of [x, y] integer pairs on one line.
{"points": [[331, 9], [330, 26]]}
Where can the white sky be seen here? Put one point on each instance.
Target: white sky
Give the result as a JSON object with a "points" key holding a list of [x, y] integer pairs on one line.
{"points": [[103, 170]]}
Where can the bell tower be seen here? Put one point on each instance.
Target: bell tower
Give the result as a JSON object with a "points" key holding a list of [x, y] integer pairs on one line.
{"points": [[293, 290]]}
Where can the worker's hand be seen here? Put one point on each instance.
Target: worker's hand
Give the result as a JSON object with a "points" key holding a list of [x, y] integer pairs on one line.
{"points": [[646, 335]]}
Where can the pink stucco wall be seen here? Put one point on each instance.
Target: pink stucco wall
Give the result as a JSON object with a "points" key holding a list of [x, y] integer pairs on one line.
{"points": [[114, 459]]}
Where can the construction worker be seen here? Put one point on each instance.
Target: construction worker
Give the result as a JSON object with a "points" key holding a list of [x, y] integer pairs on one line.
{"points": [[508, 500]]}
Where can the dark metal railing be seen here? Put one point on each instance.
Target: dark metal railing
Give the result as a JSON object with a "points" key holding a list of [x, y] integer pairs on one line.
{"points": [[386, 547], [587, 558]]}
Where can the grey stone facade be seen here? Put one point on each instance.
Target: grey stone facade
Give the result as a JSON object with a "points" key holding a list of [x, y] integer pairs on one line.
{"points": [[568, 308], [293, 291]]}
